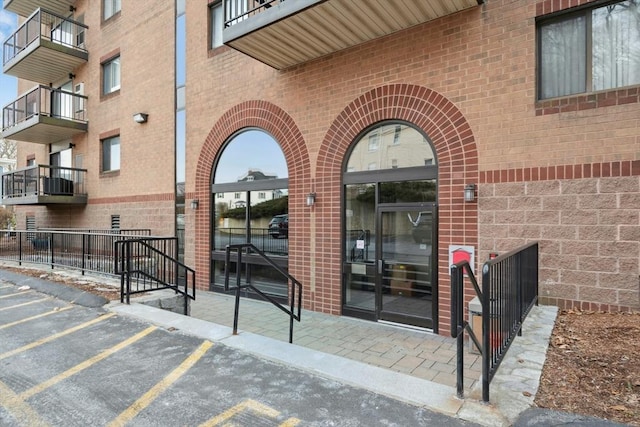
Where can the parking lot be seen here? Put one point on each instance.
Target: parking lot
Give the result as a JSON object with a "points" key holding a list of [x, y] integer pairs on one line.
{"points": [[68, 365]]}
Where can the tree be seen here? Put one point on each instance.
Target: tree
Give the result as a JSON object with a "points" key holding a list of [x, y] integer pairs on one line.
{"points": [[8, 150]]}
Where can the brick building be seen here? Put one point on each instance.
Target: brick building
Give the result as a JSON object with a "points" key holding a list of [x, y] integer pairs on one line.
{"points": [[370, 118]]}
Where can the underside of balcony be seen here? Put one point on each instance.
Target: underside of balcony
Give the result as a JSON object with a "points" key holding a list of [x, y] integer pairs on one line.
{"points": [[26, 7], [283, 33], [44, 61], [44, 130]]}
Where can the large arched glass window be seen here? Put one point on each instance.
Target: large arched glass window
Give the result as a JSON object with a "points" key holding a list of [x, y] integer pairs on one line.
{"points": [[390, 226], [250, 204]]}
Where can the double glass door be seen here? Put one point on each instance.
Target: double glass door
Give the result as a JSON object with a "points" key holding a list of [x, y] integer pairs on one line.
{"points": [[389, 264]]}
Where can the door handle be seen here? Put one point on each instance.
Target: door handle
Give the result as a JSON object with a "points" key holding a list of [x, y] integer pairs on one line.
{"points": [[380, 266]]}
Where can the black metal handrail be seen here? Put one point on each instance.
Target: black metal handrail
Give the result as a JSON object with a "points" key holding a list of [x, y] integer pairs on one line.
{"points": [[509, 291], [46, 25], [150, 264], [291, 310], [45, 101], [44, 180]]}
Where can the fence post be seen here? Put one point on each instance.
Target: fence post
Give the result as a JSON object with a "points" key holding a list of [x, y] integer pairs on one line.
{"points": [[486, 331]]}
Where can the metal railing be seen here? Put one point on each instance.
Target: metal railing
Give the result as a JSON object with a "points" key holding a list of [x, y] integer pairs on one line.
{"points": [[238, 10], [150, 264], [48, 26], [273, 242], [122, 231], [83, 251], [45, 101], [42, 180], [295, 295], [509, 291]]}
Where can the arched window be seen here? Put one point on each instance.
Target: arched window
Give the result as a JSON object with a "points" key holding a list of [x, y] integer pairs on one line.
{"points": [[390, 226], [250, 187]]}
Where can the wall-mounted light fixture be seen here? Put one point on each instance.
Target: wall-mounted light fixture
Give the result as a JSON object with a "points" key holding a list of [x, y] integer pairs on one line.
{"points": [[194, 204], [311, 199], [469, 192], [140, 117]]}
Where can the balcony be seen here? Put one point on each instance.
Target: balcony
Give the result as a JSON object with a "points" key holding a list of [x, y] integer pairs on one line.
{"points": [[284, 33], [44, 185], [45, 115], [45, 48], [26, 7]]}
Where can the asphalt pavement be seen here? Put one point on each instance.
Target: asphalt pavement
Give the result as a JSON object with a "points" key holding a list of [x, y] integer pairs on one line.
{"points": [[66, 359]]}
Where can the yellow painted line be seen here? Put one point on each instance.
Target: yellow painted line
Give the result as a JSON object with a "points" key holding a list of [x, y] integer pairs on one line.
{"points": [[252, 406], [21, 412], [147, 398], [24, 303], [14, 295], [55, 336], [86, 364], [291, 422], [38, 316]]}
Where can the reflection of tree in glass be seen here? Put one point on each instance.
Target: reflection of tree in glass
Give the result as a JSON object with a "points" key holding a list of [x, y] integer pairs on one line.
{"points": [[398, 192], [262, 210]]}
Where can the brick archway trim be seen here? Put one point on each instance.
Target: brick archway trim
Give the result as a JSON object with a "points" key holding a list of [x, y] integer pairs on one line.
{"points": [[457, 157], [272, 119]]}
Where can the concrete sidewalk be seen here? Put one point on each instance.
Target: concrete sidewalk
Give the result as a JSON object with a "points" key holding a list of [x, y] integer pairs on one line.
{"points": [[411, 365]]}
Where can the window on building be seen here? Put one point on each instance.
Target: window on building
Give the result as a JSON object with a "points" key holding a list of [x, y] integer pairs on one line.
{"points": [[220, 195], [394, 163], [216, 23], [110, 8], [396, 135], [236, 196], [262, 195], [111, 154], [111, 75], [590, 50], [374, 141]]}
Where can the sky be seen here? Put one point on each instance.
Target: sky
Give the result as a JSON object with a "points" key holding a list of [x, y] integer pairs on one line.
{"points": [[8, 84]]}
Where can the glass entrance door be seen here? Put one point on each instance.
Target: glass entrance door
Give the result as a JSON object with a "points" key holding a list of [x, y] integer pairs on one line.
{"points": [[405, 265]]}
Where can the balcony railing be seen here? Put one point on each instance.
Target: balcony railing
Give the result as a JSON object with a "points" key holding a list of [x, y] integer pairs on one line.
{"points": [[44, 184], [45, 48], [61, 115]]}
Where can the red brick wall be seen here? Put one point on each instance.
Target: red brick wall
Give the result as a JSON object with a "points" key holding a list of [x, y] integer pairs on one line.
{"points": [[467, 80]]}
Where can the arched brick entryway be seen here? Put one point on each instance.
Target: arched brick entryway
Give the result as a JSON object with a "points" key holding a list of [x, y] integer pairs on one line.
{"points": [[272, 119], [457, 158]]}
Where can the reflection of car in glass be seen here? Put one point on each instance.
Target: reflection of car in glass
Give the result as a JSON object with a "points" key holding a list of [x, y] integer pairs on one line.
{"points": [[279, 226], [422, 228]]}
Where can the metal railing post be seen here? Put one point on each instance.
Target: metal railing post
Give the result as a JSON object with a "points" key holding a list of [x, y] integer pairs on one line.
{"points": [[486, 331]]}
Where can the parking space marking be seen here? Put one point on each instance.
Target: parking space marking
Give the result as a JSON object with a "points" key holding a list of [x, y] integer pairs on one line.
{"points": [[22, 412], [86, 364], [37, 316], [55, 336], [253, 406], [14, 295], [147, 398], [25, 303]]}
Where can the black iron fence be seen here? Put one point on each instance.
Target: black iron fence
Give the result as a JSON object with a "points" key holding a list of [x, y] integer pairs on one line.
{"points": [[270, 241], [509, 291], [295, 291], [147, 264], [70, 249]]}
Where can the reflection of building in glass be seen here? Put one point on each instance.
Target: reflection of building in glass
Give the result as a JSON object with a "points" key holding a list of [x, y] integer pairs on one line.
{"points": [[390, 147], [238, 199]]}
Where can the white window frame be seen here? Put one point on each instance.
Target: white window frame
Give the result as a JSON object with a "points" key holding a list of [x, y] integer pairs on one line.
{"points": [[110, 8], [111, 75]]}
